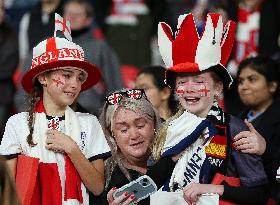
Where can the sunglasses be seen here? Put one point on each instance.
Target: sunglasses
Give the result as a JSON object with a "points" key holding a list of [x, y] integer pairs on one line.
{"points": [[116, 97]]}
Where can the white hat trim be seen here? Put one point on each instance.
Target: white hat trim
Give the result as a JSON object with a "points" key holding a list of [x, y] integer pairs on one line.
{"points": [[165, 45]]}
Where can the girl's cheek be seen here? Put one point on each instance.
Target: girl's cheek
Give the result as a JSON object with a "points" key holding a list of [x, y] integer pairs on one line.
{"points": [[195, 89], [58, 81]]}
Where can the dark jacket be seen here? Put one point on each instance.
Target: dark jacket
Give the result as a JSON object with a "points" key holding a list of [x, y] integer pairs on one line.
{"points": [[9, 60], [268, 125]]}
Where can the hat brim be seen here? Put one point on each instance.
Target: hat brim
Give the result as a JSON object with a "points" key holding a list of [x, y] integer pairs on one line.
{"points": [[170, 73], [93, 73]]}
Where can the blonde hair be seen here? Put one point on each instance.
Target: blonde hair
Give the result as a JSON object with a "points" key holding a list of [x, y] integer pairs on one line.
{"points": [[142, 106], [161, 135]]}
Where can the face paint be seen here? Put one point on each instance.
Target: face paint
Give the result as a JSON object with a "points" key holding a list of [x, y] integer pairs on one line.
{"points": [[193, 90], [56, 79]]}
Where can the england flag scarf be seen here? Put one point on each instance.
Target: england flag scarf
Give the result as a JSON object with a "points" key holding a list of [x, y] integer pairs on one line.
{"points": [[58, 182]]}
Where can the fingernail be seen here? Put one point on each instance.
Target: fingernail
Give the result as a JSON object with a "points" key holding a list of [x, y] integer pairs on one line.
{"points": [[125, 193], [114, 188], [132, 196]]}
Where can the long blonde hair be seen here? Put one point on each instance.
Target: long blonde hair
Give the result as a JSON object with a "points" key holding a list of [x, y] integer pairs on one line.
{"points": [[161, 135]]}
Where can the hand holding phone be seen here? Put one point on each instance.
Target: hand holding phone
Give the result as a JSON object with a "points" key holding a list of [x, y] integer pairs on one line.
{"points": [[141, 188]]}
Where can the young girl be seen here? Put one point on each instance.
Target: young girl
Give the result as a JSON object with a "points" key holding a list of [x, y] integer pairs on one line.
{"points": [[196, 71], [68, 145]]}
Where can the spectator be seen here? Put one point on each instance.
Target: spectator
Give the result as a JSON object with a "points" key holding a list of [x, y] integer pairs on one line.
{"points": [[128, 29], [197, 74], [129, 125], [151, 79], [258, 30], [258, 87], [67, 146], [80, 15], [8, 64]]}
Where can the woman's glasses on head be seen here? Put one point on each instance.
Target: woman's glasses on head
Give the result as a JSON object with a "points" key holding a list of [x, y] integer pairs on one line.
{"points": [[116, 97]]}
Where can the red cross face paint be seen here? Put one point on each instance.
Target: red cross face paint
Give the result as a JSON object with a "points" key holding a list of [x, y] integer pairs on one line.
{"points": [[196, 92], [190, 89], [58, 79], [64, 85]]}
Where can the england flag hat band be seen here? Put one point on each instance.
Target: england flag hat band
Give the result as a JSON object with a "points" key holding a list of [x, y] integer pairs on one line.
{"points": [[187, 52], [54, 53]]}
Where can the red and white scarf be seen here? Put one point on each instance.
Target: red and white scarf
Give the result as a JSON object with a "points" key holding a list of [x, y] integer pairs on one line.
{"points": [[57, 183]]}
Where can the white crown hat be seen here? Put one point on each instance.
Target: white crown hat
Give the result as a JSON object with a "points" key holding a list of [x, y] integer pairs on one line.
{"points": [[55, 52], [190, 53]]}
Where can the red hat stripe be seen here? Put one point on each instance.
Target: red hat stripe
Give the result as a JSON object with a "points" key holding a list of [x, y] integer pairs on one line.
{"points": [[165, 39], [215, 17], [51, 45], [184, 49], [167, 30], [227, 41]]}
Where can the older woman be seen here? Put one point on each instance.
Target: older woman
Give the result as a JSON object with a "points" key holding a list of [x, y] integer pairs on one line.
{"points": [[129, 122]]}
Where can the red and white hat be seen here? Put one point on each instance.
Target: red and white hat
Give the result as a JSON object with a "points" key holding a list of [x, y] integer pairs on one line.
{"points": [[54, 53], [190, 53]]}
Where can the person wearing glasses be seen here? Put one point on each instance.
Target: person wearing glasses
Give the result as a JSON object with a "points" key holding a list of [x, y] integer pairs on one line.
{"points": [[130, 122]]}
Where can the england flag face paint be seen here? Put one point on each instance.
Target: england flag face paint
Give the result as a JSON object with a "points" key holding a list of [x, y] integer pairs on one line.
{"points": [[193, 89], [64, 85], [196, 92]]}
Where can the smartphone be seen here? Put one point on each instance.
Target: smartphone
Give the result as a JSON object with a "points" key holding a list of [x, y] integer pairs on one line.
{"points": [[141, 188]]}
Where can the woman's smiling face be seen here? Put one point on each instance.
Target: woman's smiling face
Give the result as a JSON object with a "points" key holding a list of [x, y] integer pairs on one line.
{"points": [[254, 90], [196, 92]]}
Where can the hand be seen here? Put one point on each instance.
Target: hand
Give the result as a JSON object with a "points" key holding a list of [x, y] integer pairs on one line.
{"points": [[59, 142], [192, 192], [124, 199], [250, 142]]}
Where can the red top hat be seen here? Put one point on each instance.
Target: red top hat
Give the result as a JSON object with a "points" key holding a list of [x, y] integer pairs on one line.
{"points": [[189, 53], [54, 53]]}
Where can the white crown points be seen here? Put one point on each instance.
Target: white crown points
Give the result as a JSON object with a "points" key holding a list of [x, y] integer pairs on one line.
{"points": [[211, 49], [165, 43]]}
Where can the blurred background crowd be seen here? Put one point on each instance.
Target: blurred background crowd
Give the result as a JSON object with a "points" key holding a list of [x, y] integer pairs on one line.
{"points": [[120, 36]]}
